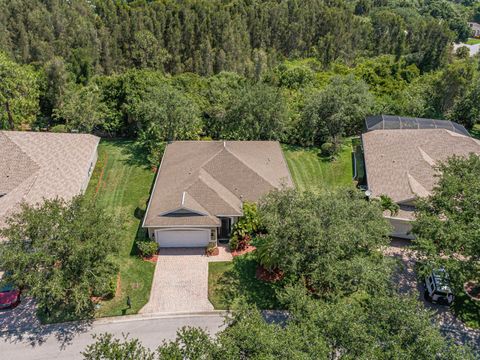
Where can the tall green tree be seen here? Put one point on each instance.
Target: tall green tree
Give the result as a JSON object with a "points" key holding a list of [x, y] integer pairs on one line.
{"points": [[466, 110], [336, 111], [19, 92], [162, 114], [330, 240], [255, 112], [147, 52], [60, 251], [447, 225], [81, 108], [53, 85]]}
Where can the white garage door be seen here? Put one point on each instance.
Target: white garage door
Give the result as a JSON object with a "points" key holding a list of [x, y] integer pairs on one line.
{"points": [[183, 238]]}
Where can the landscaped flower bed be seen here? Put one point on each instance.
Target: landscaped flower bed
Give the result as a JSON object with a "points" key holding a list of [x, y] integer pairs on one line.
{"points": [[245, 250], [473, 290]]}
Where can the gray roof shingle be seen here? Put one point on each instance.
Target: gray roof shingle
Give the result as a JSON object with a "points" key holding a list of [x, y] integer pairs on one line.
{"points": [[38, 165], [401, 163], [213, 178]]}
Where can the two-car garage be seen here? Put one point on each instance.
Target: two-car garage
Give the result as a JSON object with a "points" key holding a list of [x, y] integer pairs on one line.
{"points": [[182, 237]]}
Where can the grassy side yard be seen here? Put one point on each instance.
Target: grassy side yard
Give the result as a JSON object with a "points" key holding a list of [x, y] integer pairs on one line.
{"points": [[227, 280], [122, 186], [310, 171], [473, 41]]}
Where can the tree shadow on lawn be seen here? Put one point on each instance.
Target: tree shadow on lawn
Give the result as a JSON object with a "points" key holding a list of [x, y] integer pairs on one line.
{"points": [[136, 155], [21, 325], [241, 281], [140, 235]]}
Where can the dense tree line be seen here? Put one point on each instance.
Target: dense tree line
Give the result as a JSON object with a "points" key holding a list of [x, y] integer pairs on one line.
{"points": [[304, 73], [207, 37], [297, 102]]}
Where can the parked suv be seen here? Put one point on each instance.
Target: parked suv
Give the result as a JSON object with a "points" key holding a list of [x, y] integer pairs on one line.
{"points": [[437, 287]]}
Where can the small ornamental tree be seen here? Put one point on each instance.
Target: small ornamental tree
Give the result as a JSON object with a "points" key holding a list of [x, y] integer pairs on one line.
{"points": [[447, 225], [60, 251], [246, 227]]}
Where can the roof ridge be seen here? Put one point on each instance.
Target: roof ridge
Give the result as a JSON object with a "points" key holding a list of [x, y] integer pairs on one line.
{"points": [[416, 187], [203, 172], [248, 166], [426, 157]]}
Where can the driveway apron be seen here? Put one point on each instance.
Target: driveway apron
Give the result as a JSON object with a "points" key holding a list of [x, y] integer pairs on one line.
{"points": [[180, 282]]}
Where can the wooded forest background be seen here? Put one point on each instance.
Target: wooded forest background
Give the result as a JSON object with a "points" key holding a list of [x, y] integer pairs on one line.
{"points": [[301, 71]]}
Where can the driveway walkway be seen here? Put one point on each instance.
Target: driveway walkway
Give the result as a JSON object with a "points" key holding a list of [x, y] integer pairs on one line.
{"points": [[180, 282], [407, 284]]}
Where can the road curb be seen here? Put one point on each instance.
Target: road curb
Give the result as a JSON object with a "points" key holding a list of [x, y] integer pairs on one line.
{"points": [[152, 316], [111, 320]]}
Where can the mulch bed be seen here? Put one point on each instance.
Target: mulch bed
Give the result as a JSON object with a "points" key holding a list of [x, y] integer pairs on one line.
{"points": [[213, 252], [248, 249], [473, 290], [152, 259], [268, 276]]}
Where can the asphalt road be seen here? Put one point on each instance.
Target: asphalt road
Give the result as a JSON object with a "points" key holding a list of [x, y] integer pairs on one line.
{"points": [[67, 341]]}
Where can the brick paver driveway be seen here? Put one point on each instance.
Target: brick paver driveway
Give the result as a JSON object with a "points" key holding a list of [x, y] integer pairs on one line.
{"points": [[180, 282]]}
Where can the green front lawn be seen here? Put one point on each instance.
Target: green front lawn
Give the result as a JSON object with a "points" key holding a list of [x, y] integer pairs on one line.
{"points": [[473, 41], [227, 280], [310, 171], [122, 184], [467, 310]]}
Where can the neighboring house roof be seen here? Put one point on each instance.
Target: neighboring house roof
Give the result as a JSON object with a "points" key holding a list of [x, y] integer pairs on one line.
{"points": [[474, 26], [401, 163], [392, 122], [38, 165], [200, 180]]}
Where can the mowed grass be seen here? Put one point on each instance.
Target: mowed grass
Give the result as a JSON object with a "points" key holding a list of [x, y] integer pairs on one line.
{"points": [[121, 184], [229, 280], [473, 41], [312, 172]]}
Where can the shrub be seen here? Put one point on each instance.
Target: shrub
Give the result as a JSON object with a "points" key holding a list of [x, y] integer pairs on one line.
{"points": [[328, 149], [233, 243], [147, 248], [388, 204], [107, 289], [211, 249], [59, 129], [249, 223]]}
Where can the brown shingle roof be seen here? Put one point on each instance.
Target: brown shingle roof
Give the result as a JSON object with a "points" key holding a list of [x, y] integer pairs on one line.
{"points": [[214, 178], [400, 163], [34, 166]]}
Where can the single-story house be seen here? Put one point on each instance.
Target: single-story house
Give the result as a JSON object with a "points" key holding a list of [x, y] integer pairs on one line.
{"points": [[400, 156], [201, 186], [40, 165], [475, 29]]}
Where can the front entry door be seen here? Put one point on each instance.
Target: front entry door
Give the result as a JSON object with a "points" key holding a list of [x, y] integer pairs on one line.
{"points": [[225, 228]]}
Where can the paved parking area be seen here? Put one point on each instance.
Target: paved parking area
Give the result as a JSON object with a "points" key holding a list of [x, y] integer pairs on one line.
{"points": [[407, 283], [23, 315], [180, 282]]}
